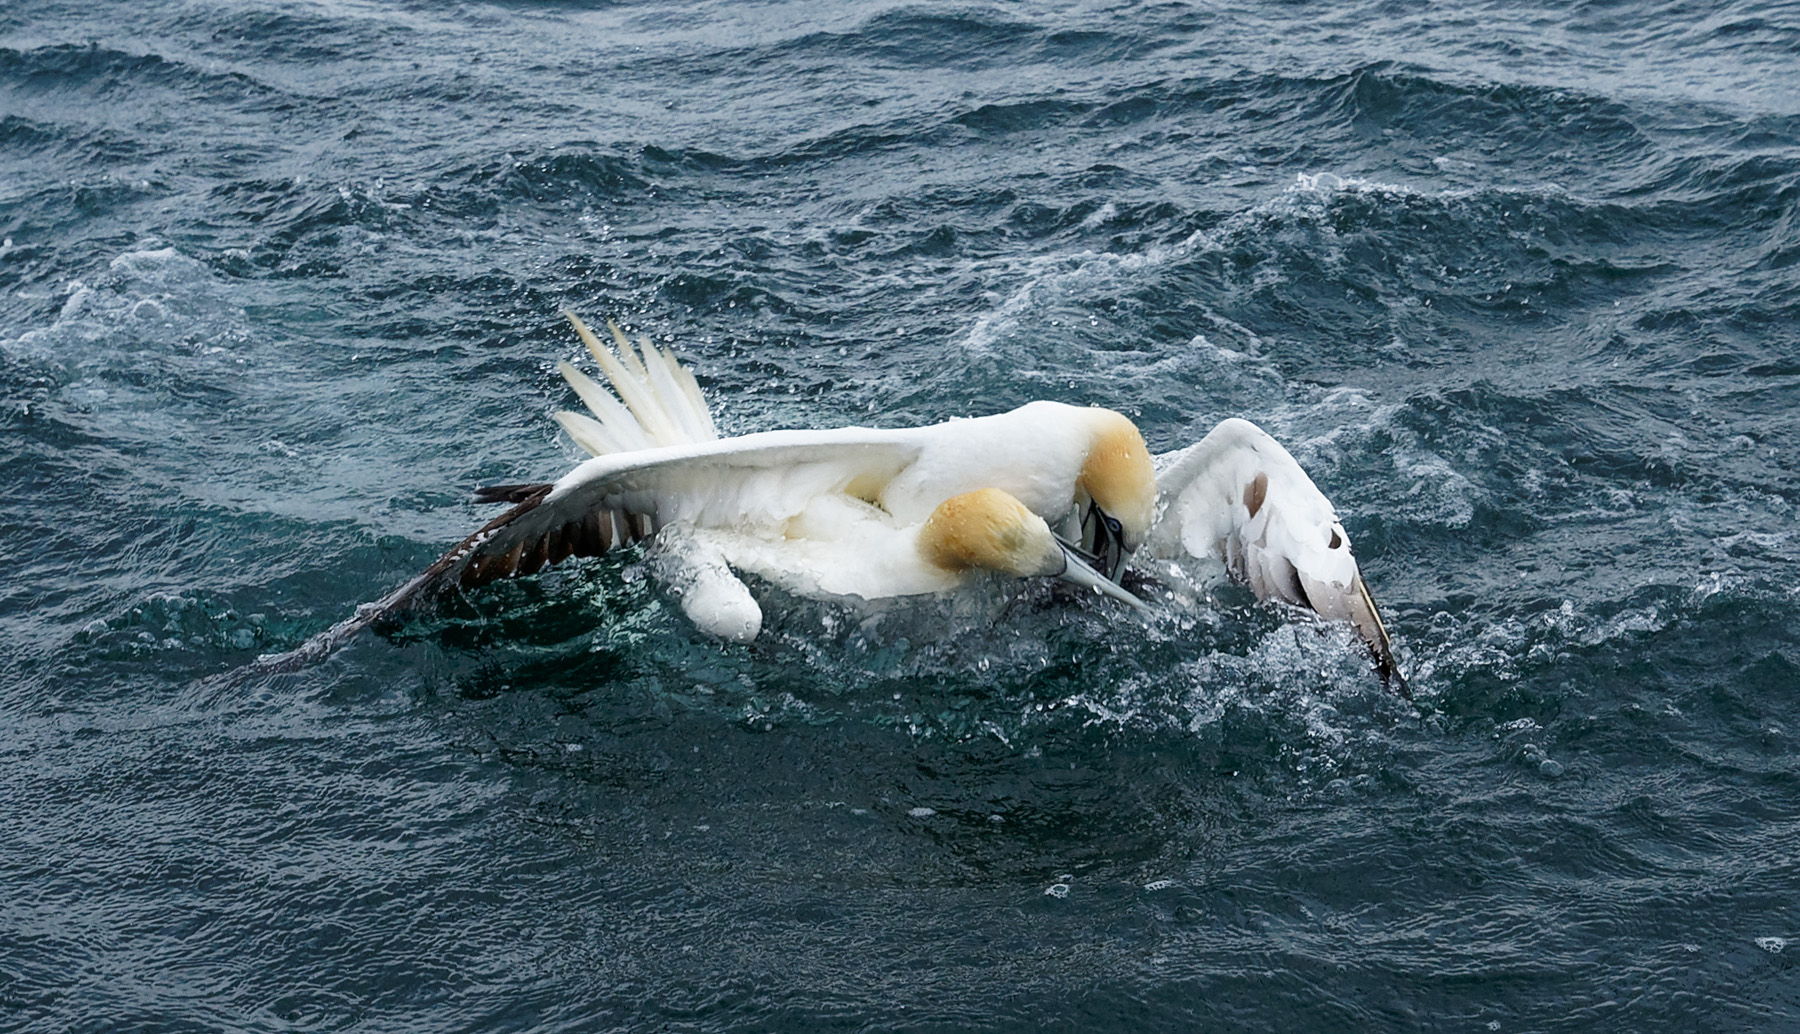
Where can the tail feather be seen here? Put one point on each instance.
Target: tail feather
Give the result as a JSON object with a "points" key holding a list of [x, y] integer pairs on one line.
{"points": [[633, 387], [590, 434], [625, 351], [676, 390], [690, 390], [669, 390], [661, 401], [622, 428]]}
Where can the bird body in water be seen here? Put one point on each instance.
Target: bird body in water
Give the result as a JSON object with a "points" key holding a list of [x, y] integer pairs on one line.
{"points": [[1044, 490]]}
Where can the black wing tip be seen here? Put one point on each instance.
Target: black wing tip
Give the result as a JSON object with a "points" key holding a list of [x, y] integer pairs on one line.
{"points": [[513, 494], [1381, 647], [466, 566]]}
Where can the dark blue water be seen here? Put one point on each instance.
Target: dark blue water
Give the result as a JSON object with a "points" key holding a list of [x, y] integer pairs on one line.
{"points": [[280, 284]]}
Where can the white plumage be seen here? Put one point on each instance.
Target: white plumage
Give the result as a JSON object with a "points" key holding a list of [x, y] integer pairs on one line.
{"points": [[820, 513], [1238, 496], [873, 513]]}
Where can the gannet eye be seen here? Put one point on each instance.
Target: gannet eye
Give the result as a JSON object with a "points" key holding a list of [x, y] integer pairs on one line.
{"points": [[1112, 525]]}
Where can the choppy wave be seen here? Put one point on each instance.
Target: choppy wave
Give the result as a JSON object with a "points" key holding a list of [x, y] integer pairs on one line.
{"points": [[1518, 285]]}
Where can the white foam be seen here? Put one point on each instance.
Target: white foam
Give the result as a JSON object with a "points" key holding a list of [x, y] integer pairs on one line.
{"points": [[1099, 217], [1436, 492], [167, 296], [1332, 183]]}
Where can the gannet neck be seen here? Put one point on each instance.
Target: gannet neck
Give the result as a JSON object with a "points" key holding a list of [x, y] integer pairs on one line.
{"points": [[1118, 475], [990, 530]]}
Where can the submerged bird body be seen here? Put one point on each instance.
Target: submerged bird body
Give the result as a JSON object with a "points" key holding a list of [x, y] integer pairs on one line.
{"points": [[1045, 490], [833, 512]]}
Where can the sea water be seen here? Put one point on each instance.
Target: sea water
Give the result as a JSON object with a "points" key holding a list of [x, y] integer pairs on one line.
{"points": [[1518, 284]]}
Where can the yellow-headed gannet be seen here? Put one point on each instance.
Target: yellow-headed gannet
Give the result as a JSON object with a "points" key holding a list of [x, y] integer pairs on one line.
{"points": [[882, 512]]}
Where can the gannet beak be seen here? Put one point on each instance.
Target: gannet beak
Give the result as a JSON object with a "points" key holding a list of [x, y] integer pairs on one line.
{"points": [[1104, 541], [1366, 618], [1076, 570]]}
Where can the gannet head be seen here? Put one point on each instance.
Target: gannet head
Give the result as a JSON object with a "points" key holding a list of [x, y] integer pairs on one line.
{"points": [[1115, 493], [990, 530]]}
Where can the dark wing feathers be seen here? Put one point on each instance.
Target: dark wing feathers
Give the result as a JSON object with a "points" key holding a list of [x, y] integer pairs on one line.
{"points": [[524, 540], [513, 543], [509, 493]]}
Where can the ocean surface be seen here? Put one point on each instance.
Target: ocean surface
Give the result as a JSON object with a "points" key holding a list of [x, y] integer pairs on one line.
{"points": [[1519, 284]]}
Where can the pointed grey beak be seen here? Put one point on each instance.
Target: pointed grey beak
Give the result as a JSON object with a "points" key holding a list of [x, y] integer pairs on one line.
{"points": [[1366, 618], [1077, 571]]}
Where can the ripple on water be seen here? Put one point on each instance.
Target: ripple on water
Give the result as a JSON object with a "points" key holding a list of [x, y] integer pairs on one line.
{"points": [[1523, 304]]}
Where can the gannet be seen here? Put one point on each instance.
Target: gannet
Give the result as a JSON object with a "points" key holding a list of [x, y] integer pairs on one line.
{"points": [[1239, 498], [1047, 490]]}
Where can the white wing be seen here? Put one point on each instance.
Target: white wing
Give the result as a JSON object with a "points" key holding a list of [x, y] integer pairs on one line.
{"points": [[748, 484], [1237, 495], [752, 483], [658, 461]]}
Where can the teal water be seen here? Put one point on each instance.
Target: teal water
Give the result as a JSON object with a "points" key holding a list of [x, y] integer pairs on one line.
{"points": [[279, 285]]}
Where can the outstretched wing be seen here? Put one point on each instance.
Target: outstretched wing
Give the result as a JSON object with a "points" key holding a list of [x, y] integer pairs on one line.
{"points": [[1239, 496], [657, 460], [752, 483]]}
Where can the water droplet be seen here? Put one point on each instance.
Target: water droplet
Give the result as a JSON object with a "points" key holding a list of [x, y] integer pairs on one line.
{"points": [[1057, 890]]}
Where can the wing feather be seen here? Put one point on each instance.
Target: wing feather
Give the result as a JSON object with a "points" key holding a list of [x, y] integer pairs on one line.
{"points": [[751, 484]]}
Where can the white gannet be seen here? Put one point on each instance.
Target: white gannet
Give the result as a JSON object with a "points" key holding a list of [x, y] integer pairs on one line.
{"points": [[875, 513], [1238, 497]]}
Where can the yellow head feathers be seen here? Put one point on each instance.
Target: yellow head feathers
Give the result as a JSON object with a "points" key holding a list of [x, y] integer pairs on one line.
{"points": [[989, 529], [1118, 475]]}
